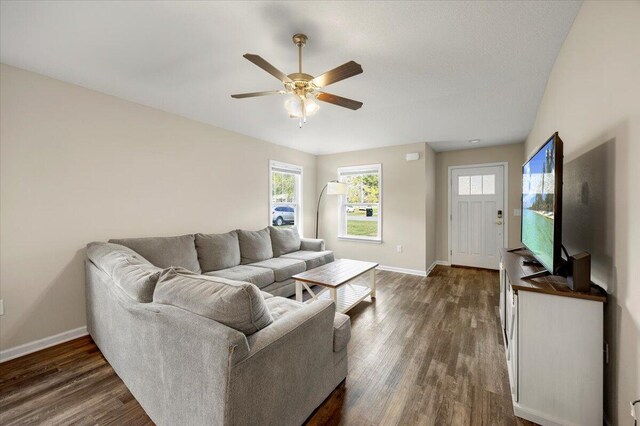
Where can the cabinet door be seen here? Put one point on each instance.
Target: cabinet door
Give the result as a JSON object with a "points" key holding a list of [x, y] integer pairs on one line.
{"points": [[512, 359], [503, 296], [508, 295]]}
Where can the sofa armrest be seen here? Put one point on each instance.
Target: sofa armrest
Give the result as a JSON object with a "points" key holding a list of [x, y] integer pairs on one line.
{"points": [[290, 369], [341, 331], [312, 244], [312, 315]]}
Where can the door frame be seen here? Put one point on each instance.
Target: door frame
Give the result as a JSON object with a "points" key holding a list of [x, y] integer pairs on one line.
{"points": [[505, 190]]}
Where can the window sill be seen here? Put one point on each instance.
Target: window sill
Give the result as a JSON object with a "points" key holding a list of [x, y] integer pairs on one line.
{"points": [[362, 240]]}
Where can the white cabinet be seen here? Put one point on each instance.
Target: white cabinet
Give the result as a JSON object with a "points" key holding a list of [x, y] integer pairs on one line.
{"points": [[503, 280], [553, 344]]}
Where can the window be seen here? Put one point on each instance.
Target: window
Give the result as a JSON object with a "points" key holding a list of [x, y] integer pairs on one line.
{"points": [[361, 207], [477, 185], [285, 195]]}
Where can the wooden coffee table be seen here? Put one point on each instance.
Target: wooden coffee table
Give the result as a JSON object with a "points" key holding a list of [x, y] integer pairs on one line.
{"points": [[334, 278]]}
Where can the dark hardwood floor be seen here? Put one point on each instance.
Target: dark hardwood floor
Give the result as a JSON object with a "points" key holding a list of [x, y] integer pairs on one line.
{"points": [[427, 351]]}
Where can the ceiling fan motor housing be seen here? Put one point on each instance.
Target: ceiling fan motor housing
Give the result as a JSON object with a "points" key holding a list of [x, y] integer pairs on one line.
{"points": [[301, 84]]}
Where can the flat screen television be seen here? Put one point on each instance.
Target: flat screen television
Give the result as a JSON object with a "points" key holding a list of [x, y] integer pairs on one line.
{"points": [[541, 229]]}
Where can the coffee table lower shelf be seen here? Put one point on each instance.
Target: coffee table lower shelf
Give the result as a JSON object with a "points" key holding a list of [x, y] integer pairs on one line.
{"points": [[348, 296]]}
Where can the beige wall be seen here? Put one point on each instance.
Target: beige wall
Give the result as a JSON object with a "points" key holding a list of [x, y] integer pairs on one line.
{"points": [[403, 206], [511, 154], [79, 166], [430, 202], [593, 100]]}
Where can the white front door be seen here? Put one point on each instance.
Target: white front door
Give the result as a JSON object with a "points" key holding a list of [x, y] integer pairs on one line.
{"points": [[477, 216]]}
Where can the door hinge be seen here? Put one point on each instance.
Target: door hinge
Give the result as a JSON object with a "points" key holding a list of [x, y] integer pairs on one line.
{"points": [[451, 252]]}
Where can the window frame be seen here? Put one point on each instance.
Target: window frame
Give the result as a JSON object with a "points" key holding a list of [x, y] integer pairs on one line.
{"points": [[299, 190], [342, 213]]}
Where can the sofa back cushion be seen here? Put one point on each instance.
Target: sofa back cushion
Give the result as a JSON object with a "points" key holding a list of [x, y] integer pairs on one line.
{"points": [[128, 270], [165, 252], [218, 251], [235, 304], [284, 240], [255, 246]]}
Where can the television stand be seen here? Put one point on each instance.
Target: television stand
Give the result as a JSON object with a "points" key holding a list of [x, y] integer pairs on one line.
{"points": [[553, 345]]}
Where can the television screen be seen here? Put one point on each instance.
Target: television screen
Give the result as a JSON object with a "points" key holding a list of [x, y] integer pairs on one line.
{"points": [[539, 198]]}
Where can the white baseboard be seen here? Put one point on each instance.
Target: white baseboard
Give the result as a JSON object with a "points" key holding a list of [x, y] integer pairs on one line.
{"points": [[403, 270], [414, 271], [536, 416], [37, 345], [430, 268]]}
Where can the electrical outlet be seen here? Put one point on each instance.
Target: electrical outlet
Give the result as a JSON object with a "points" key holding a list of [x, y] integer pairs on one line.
{"points": [[1, 307], [399, 249]]}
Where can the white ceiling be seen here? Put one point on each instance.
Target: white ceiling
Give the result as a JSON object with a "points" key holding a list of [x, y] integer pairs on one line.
{"points": [[437, 72]]}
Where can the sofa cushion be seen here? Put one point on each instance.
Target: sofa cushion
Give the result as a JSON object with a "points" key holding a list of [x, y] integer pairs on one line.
{"points": [[312, 244], [341, 331], [238, 305], [261, 277], [255, 246], [282, 268], [313, 259], [129, 271], [284, 288], [281, 307], [218, 251], [165, 252], [284, 240]]}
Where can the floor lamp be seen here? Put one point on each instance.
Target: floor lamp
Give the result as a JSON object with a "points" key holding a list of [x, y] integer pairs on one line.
{"points": [[333, 188]]}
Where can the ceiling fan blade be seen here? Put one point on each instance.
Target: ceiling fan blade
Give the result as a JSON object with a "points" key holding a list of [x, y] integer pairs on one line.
{"points": [[339, 100], [253, 94], [347, 70], [268, 67]]}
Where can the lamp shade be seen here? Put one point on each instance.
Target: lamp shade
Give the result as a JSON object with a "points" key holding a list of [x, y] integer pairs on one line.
{"points": [[336, 188]]}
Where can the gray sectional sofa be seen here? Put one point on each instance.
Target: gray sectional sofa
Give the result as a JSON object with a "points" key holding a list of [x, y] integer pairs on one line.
{"points": [[196, 328]]}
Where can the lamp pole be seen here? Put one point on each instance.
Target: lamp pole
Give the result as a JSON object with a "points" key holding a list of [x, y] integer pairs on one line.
{"points": [[318, 207]]}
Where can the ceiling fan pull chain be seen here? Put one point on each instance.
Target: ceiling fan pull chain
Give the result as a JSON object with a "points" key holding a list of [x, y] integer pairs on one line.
{"points": [[303, 104]]}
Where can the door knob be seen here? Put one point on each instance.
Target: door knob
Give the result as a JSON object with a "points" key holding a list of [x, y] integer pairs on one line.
{"points": [[498, 222]]}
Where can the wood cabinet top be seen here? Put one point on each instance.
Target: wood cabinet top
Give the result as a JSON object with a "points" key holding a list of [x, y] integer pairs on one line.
{"points": [[551, 284]]}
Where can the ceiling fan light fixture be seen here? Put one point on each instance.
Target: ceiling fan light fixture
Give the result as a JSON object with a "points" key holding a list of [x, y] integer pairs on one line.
{"points": [[293, 105], [305, 88], [310, 105]]}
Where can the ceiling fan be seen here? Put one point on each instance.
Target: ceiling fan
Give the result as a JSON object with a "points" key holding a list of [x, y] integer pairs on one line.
{"points": [[305, 88]]}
